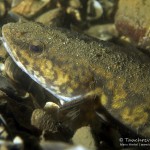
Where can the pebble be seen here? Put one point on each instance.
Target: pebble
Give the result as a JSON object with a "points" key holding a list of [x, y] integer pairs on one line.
{"points": [[83, 136]]}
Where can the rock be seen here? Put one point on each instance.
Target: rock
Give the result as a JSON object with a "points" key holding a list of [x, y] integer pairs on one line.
{"points": [[2, 8], [54, 16], [103, 32], [132, 20], [83, 136], [28, 8], [59, 146]]}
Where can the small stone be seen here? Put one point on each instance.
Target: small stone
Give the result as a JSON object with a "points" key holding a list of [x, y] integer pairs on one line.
{"points": [[51, 105], [17, 140], [3, 132], [94, 10], [28, 8], [2, 8], [15, 2], [2, 67], [60, 146], [3, 52], [53, 16], [103, 32], [83, 136]]}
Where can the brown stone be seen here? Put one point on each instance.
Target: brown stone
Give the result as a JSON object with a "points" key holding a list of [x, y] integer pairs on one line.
{"points": [[133, 20], [29, 8]]}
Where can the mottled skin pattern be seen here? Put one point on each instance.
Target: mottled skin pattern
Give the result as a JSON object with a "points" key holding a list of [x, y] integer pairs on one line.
{"points": [[73, 66]]}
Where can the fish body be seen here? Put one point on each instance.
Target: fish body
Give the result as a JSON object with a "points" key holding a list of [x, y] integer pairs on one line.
{"points": [[73, 66]]}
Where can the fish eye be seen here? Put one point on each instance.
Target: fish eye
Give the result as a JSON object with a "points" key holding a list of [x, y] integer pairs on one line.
{"points": [[36, 47]]}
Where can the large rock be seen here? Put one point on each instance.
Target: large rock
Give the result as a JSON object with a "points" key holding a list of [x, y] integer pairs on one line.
{"points": [[133, 20]]}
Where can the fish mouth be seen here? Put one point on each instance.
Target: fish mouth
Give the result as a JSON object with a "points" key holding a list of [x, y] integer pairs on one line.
{"points": [[12, 54]]}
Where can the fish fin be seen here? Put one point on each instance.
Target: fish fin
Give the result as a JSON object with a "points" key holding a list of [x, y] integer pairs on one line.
{"points": [[78, 113], [71, 110]]}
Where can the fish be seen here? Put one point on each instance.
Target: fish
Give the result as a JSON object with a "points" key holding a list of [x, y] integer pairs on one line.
{"points": [[73, 66]]}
